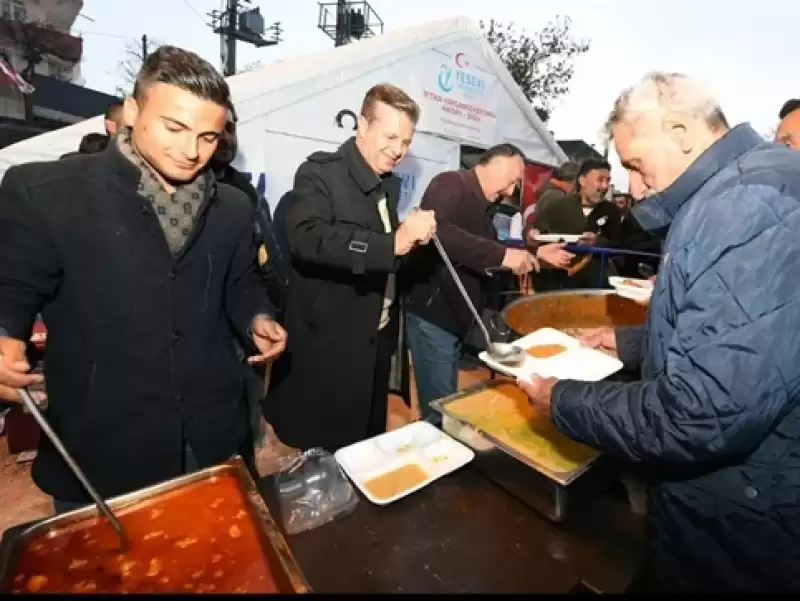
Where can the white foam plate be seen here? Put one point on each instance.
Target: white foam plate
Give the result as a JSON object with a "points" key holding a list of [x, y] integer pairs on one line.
{"points": [[576, 363], [642, 290], [568, 238], [419, 443]]}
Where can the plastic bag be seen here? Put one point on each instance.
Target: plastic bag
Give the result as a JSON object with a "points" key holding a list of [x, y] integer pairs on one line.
{"points": [[312, 490]]}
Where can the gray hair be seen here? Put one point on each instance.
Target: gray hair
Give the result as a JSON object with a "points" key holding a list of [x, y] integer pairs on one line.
{"points": [[665, 93]]}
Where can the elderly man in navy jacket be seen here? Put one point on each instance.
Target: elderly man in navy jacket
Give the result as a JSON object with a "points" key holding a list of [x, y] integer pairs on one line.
{"points": [[715, 417]]}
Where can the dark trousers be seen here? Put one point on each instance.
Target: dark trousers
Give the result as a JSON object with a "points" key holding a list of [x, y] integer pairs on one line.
{"points": [[189, 465], [386, 347], [435, 354]]}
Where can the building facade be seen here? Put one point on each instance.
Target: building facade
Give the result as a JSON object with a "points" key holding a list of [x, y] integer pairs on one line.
{"points": [[36, 41]]}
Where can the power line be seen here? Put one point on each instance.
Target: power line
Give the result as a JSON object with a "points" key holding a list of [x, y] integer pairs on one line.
{"points": [[195, 11], [106, 35]]}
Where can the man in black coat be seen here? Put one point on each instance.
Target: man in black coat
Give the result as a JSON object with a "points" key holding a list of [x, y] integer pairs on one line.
{"points": [[342, 315], [270, 263], [143, 268]]}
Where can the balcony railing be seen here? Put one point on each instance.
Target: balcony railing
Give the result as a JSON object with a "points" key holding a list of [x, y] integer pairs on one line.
{"points": [[42, 39]]}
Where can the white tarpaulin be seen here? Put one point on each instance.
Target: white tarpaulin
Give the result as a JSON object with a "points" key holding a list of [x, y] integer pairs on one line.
{"points": [[292, 108]]}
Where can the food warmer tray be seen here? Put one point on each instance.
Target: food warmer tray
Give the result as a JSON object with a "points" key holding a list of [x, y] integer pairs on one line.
{"points": [[288, 577], [542, 489]]}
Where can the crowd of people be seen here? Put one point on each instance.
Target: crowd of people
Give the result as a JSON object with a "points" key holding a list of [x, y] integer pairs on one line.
{"points": [[167, 287]]}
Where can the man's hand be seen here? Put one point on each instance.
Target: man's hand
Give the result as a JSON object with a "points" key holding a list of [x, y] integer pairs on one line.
{"points": [[418, 228], [599, 338], [520, 261], [588, 239], [269, 338], [14, 369], [645, 302], [555, 255], [539, 391]]}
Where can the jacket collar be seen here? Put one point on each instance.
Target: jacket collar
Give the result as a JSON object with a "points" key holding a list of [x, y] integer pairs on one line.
{"points": [[360, 171], [128, 174], [658, 211], [473, 184]]}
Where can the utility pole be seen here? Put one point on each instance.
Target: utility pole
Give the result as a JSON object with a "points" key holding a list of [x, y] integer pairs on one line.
{"points": [[345, 21], [231, 14], [342, 13], [144, 48], [236, 23]]}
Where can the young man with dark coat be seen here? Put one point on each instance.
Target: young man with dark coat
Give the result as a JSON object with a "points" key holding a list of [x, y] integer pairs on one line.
{"points": [[143, 268]]}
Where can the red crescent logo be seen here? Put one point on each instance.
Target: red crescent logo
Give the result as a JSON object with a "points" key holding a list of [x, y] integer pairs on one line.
{"points": [[461, 61]]}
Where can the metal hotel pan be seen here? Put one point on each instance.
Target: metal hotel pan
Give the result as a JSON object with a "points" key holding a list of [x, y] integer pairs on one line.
{"points": [[538, 487], [534, 484], [288, 577], [572, 309]]}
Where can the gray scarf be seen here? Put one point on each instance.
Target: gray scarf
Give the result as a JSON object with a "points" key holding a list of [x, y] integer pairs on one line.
{"points": [[176, 212]]}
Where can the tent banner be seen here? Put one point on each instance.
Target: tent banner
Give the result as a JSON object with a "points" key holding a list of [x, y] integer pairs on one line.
{"points": [[459, 96]]}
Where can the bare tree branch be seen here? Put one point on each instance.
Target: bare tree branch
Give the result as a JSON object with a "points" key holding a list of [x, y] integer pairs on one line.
{"points": [[541, 63], [129, 66]]}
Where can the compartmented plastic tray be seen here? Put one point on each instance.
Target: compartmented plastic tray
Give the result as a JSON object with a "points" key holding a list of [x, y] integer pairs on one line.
{"points": [[632, 288], [420, 444], [576, 363]]}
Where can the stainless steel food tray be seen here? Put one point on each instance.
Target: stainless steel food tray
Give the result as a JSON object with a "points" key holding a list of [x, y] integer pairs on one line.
{"points": [[288, 576], [534, 484]]}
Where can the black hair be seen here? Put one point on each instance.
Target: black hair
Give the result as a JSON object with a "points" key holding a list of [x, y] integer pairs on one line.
{"points": [[592, 164], [185, 70], [500, 150], [93, 143], [789, 107], [113, 108], [227, 147], [568, 172]]}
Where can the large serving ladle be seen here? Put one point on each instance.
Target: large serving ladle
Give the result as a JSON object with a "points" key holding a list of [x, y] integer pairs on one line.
{"points": [[30, 405], [502, 352]]}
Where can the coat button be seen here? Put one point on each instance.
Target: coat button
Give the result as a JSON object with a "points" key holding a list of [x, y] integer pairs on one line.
{"points": [[179, 398], [176, 336], [750, 492], [143, 209], [172, 275]]}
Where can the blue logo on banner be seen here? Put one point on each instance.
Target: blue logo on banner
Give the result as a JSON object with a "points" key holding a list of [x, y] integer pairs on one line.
{"points": [[445, 78], [463, 78], [407, 188]]}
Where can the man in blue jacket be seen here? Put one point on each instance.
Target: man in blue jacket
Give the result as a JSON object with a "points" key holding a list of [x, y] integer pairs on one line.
{"points": [[715, 417]]}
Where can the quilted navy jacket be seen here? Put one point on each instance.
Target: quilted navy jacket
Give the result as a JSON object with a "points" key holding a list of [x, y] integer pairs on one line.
{"points": [[716, 416]]}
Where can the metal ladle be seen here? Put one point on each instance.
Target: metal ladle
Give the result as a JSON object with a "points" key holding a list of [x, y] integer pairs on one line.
{"points": [[502, 352], [645, 270], [30, 404]]}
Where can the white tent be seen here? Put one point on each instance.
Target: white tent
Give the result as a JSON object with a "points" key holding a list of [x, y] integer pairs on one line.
{"points": [[289, 109]]}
